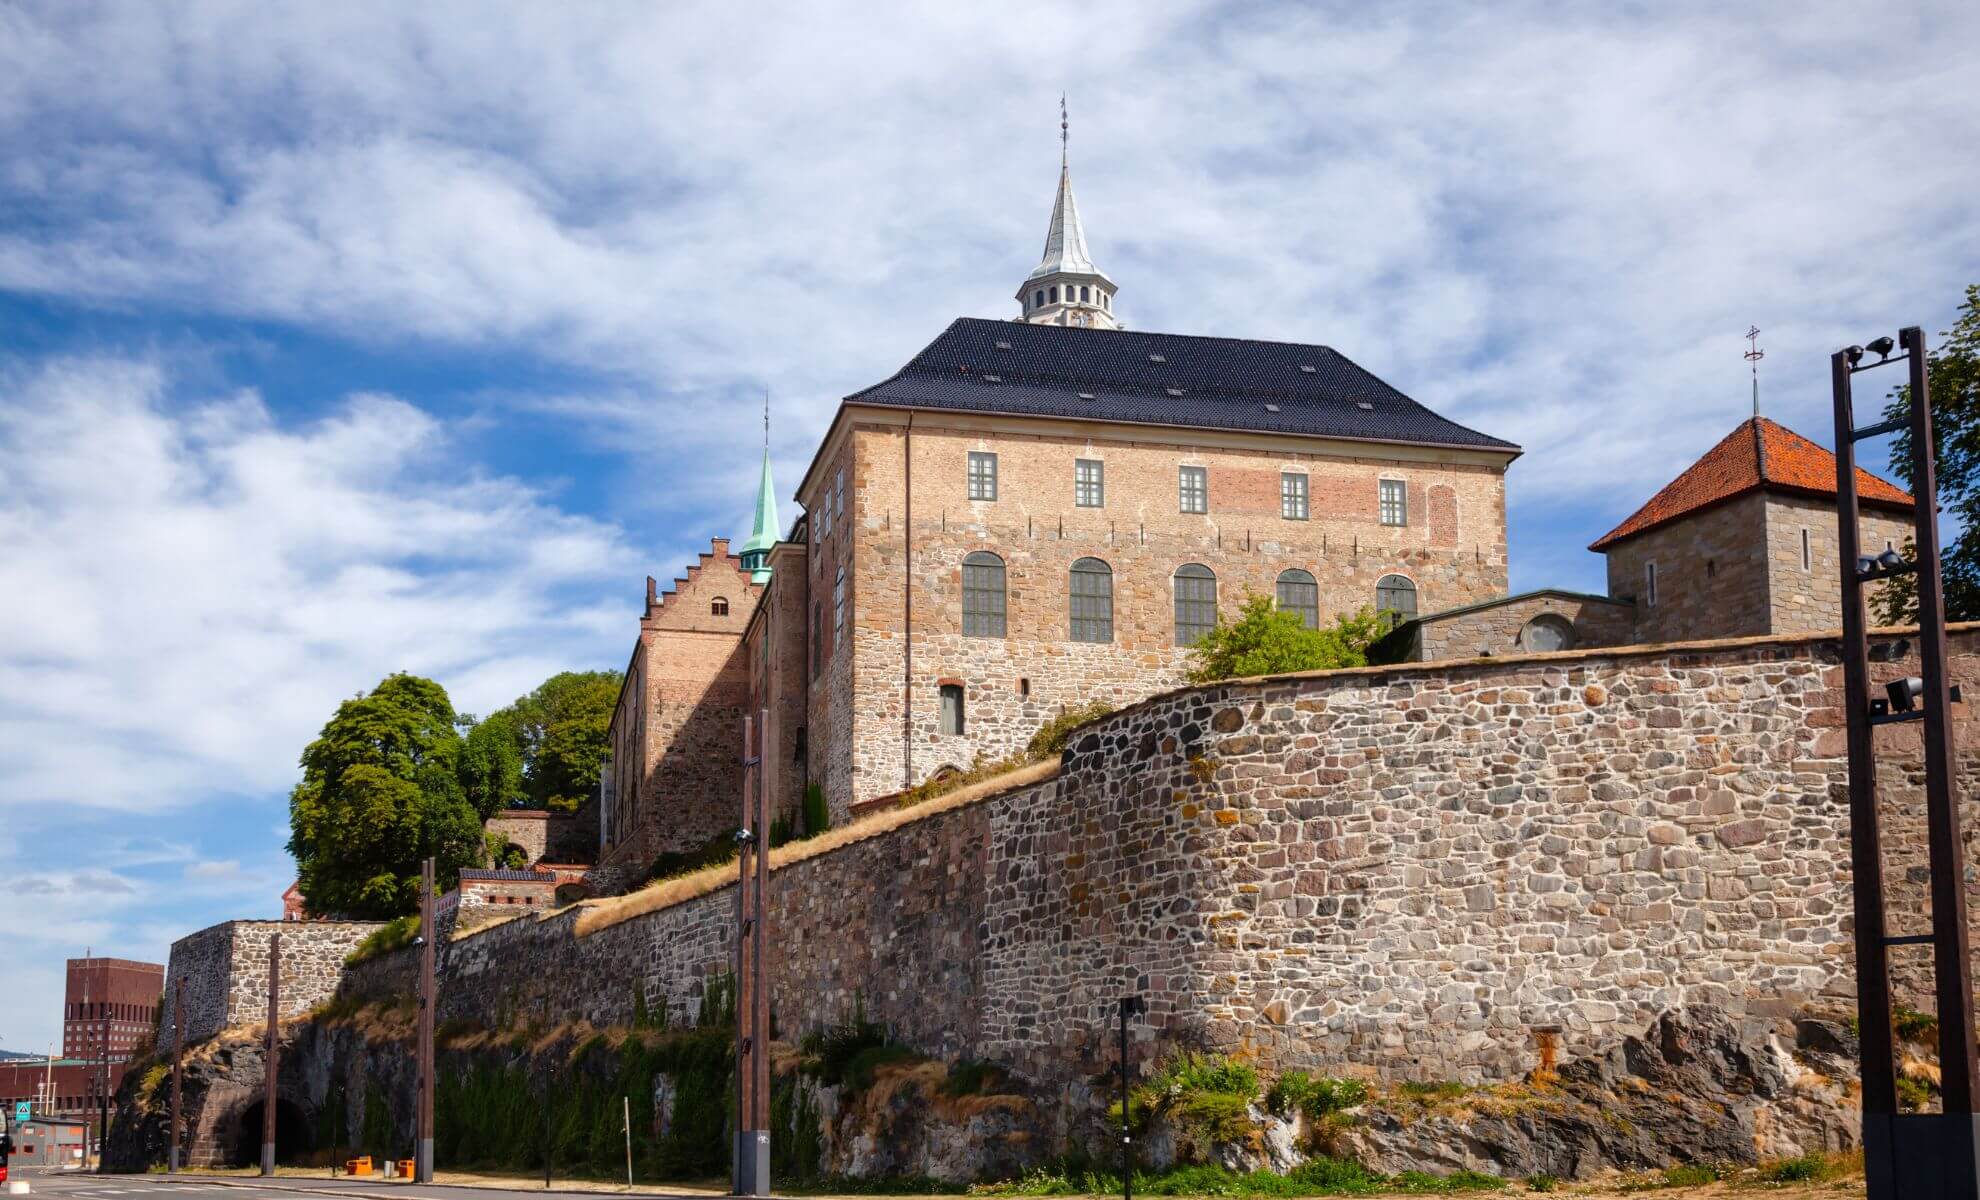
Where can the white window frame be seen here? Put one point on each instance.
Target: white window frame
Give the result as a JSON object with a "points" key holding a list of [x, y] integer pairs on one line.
{"points": [[1302, 495], [838, 606], [1200, 493], [1401, 487], [1098, 483], [986, 478]]}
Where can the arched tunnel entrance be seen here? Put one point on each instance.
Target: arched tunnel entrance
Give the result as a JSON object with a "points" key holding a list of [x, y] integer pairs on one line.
{"points": [[294, 1135]]}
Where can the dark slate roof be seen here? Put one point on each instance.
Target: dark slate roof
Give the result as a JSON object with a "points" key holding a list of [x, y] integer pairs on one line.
{"points": [[482, 874], [1200, 383]]}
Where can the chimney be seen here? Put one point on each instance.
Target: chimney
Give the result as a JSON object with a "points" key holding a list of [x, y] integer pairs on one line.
{"points": [[652, 590]]}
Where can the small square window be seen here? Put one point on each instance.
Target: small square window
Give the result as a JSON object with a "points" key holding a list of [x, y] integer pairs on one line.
{"points": [[1292, 495], [982, 476], [1089, 483], [1395, 502], [1193, 490]]}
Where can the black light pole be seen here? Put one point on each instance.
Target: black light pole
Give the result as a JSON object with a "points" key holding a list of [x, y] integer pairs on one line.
{"points": [[1130, 1006]]}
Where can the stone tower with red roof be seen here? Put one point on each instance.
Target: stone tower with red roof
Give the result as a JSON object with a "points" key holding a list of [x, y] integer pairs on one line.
{"points": [[1744, 541]]}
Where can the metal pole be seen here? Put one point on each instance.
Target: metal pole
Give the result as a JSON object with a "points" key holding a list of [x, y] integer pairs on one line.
{"points": [[1950, 967], [759, 979], [272, 1055], [178, 1052], [423, 1131], [744, 1181], [103, 1079], [625, 1117], [1128, 1005]]}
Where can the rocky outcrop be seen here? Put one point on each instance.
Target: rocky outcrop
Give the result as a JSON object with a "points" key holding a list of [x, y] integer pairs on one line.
{"points": [[906, 1124], [1694, 1087]]}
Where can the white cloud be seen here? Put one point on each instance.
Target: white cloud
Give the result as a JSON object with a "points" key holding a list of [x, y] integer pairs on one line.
{"points": [[1551, 226], [195, 586]]}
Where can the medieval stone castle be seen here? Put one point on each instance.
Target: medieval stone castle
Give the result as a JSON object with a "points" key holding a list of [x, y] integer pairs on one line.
{"points": [[1553, 817], [1038, 513]]}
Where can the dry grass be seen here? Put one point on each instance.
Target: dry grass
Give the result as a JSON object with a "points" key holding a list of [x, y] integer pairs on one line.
{"points": [[603, 914]]}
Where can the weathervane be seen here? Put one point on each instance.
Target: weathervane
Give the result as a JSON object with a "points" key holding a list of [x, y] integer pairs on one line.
{"points": [[766, 420], [1753, 355], [1063, 125]]}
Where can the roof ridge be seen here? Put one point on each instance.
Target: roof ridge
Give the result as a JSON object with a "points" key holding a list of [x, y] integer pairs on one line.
{"points": [[1195, 337]]}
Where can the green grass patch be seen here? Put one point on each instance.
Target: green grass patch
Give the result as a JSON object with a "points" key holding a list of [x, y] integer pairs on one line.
{"points": [[395, 934], [1442, 1090], [1910, 1025], [1808, 1168], [1317, 1177], [1315, 1096]]}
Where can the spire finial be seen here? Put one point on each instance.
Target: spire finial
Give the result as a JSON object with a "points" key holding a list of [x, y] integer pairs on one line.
{"points": [[766, 420], [1063, 128], [1753, 355]]}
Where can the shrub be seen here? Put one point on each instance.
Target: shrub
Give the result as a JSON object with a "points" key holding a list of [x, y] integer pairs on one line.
{"points": [[1189, 1071], [1912, 1095], [1296, 1091], [715, 851], [1910, 1025], [1052, 735], [1543, 1182], [817, 813], [392, 935], [1807, 1168], [1323, 1174], [1691, 1175], [972, 1077], [1266, 640]]}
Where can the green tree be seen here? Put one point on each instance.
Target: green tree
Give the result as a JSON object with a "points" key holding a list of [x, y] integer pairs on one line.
{"points": [[1265, 640], [381, 790], [492, 763], [562, 728], [1952, 376]]}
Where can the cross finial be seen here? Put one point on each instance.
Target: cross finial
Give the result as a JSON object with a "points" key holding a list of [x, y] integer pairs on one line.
{"points": [[1753, 355], [766, 420], [1063, 126]]}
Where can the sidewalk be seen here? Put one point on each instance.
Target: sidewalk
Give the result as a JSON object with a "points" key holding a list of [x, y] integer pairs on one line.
{"points": [[446, 1185]]}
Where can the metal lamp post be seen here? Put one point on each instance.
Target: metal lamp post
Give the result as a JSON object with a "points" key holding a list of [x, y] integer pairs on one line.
{"points": [[1130, 1006]]}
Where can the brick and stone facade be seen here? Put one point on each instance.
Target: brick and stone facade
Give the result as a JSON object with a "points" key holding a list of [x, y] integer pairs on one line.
{"points": [[908, 522], [675, 733], [225, 968], [1513, 625], [1737, 569], [1413, 871]]}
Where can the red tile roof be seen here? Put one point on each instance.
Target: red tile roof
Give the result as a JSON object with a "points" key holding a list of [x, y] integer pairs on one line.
{"points": [[1760, 454]]}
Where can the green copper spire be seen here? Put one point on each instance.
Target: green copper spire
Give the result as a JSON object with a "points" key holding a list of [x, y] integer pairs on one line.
{"points": [[755, 553]]}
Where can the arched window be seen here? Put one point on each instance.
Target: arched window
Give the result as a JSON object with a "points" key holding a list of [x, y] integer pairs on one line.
{"points": [[1092, 601], [983, 595], [720, 606], [1547, 632], [1055, 293], [1083, 293], [1396, 594], [1299, 593], [1196, 602], [1038, 298]]}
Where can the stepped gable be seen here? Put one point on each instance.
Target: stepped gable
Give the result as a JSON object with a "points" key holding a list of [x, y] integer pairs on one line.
{"points": [[1759, 455]]}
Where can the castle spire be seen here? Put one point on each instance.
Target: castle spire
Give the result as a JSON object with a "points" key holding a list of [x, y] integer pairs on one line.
{"points": [[1065, 288], [755, 553]]}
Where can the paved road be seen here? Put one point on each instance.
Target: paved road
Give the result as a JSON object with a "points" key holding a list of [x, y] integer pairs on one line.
{"points": [[76, 1186]]}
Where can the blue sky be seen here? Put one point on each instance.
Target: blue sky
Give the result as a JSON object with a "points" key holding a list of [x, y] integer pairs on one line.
{"points": [[343, 339]]}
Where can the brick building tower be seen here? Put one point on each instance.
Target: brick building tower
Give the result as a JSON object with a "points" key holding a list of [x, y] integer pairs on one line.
{"points": [[110, 1007]]}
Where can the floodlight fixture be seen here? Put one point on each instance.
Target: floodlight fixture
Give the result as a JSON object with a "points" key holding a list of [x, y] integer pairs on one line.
{"points": [[1890, 560], [1882, 347], [1905, 693], [744, 837], [1854, 354], [1865, 564]]}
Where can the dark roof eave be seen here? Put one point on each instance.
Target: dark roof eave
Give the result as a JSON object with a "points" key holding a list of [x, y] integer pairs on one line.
{"points": [[1509, 449]]}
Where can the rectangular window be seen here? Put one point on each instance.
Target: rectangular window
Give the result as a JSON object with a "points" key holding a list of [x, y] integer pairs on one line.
{"points": [[839, 496], [1292, 495], [839, 605], [1650, 585], [982, 476], [824, 521], [1193, 489], [1089, 483], [1395, 502], [952, 709], [1807, 558]]}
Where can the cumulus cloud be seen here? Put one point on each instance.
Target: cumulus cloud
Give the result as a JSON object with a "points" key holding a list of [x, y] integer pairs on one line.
{"points": [[195, 585], [1553, 226]]}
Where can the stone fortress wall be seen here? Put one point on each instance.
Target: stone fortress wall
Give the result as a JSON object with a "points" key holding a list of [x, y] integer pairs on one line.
{"points": [[1416, 871], [225, 967]]}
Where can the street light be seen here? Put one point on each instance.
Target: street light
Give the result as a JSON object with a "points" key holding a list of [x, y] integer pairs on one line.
{"points": [[1130, 1006]]}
